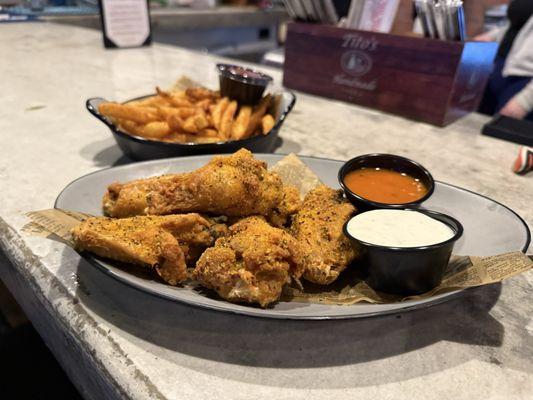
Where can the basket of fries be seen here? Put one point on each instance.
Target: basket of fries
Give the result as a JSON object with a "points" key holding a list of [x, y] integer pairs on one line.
{"points": [[189, 119]]}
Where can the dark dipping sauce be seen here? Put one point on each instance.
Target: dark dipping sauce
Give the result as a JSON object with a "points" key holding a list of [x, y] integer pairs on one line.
{"points": [[244, 72], [242, 84], [385, 186]]}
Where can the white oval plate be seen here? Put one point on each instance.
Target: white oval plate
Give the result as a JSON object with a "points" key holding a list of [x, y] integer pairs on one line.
{"points": [[489, 228]]}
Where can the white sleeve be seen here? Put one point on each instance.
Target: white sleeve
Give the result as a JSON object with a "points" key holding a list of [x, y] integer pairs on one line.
{"points": [[519, 61], [525, 97]]}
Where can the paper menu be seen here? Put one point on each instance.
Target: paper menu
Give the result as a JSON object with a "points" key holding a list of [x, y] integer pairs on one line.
{"points": [[125, 23]]}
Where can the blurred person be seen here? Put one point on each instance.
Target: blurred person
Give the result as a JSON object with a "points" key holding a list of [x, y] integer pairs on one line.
{"points": [[510, 88]]}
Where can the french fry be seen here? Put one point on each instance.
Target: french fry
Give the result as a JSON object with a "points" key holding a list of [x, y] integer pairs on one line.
{"points": [[152, 130], [174, 98], [204, 104], [226, 121], [180, 102], [263, 105], [128, 126], [267, 123], [200, 93], [176, 138], [155, 130], [186, 112], [138, 103], [167, 112], [152, 101], [218, 111], [189, 125], [159, 101], [212, 133], [240, 126], [206, 139], [183, 112], [201, 121], [178, 94], [210, 120], [175, 122], [196, 123], [141, 115], [259, 111]]}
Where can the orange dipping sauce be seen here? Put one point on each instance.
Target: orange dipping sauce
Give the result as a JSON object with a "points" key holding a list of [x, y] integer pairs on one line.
{"points": [[384, 185]]}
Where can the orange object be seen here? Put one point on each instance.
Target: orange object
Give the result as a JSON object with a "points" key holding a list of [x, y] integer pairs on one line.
{"points": [[384, 185], [524, 162]]}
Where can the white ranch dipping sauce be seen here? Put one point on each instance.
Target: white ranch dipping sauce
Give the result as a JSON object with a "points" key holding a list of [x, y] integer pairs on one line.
{"points": [[398, 228]]}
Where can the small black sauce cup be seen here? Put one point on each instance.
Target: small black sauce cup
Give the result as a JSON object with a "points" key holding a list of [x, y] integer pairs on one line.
{"points": [[242, 84], [407, 270], [386, 161]]}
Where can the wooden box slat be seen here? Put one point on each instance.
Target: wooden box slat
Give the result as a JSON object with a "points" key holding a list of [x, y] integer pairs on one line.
{"points": [[423, 79]]}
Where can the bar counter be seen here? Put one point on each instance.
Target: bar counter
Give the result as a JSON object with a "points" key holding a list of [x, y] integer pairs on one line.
{"points": [[115, 342], [189, 18]]}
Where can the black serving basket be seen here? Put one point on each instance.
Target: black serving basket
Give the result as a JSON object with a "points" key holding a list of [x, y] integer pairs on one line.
{"points": [[138, 148]]}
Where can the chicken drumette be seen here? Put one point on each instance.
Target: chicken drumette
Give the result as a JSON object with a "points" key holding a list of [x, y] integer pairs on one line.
{"points": [[318, 229]]}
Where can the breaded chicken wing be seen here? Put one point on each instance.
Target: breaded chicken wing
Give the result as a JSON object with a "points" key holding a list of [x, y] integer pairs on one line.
{"points": [[318, 229], [164, 243], [235, 185], [251, 264]]}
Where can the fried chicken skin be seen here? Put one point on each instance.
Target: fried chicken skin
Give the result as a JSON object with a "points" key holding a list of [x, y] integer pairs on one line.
{"points": [[251, 264], [318, 229], [164, 243], [235, 185], [289, 205]]}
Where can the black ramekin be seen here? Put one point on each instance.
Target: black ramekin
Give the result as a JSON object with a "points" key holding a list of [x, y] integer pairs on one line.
{"points": [[407, 270], [388, 161], [242, 84]]}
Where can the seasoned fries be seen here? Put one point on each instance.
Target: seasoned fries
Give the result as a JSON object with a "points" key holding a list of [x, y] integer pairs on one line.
{"points": [[218, 111], [267, 123], [156, 129], [138, 114], [195, 115], [259, 112], [227, 119], [238, 129]]}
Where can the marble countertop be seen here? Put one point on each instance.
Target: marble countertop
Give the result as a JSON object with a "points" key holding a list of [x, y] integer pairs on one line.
{"points": [[116, 342]]}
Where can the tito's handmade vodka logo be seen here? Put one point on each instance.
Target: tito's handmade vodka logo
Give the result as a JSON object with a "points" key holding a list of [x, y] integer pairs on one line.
{"points": [[356, 62]]}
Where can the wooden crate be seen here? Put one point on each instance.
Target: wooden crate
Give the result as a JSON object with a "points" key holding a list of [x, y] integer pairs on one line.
{"points": [[423, 79]]}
